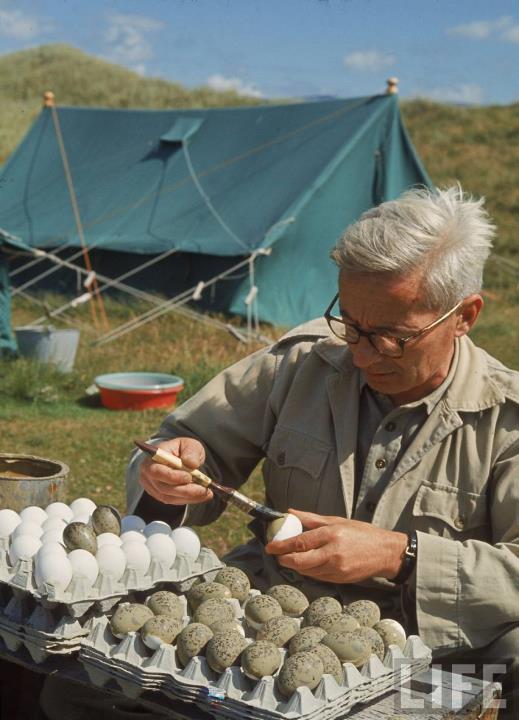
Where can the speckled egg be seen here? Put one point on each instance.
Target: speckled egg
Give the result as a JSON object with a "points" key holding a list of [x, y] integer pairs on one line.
{"points": [[302, 669], [279, 630], [320, 607], [129, 617], [236, 580], [226, 625], [366, 611], [348, 646], [205, 590], [164, 602], [191, 641], [305, 639], [338, 621], [260, 658], [374, 639], [224, 650], [160, 629], [261, 608], [105, 518], [212, 610], [331, 663], [293, 602], [79, 536], [391, 632]]}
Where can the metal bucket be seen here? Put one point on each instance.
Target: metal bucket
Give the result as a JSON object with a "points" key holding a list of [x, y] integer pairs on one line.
{"points": [[49, 345], [30, 480]]}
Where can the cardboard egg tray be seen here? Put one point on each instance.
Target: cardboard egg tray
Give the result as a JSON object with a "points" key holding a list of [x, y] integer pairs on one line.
{"points": [[43, 632], [80, 597], [231, 694]]}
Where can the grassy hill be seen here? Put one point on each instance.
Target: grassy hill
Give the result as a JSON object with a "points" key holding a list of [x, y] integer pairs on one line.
{"points": [[80, 79], [476, 145]]}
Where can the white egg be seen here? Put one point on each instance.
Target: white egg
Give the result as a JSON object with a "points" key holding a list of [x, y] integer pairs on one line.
{"points": [[157, 526], [138, 556], [290, 528], [59, 510], [27, 527], [187, 541], [81, 518], [34, 513], [132, 522], [133, 536], [108, 538], [84, 565], [82, 506], [23, 547], [112, 561], [9, 520], [53, 569], [52, 536], [54, 523], [162, 548], [49, 549]]}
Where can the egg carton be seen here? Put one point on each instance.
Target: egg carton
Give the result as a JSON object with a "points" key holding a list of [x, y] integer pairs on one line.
{"points": [[231, 694], [80, 597], [24, 623]]}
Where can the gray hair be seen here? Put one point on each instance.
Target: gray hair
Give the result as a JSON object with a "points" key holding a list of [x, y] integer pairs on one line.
{"points": [[443, 233]]}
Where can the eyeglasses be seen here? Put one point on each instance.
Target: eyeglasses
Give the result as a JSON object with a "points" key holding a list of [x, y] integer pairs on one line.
{"points": [[383, 344]]}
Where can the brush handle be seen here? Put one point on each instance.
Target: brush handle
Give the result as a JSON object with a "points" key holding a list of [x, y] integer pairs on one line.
{"points": [[228, 494], [173, 461]]}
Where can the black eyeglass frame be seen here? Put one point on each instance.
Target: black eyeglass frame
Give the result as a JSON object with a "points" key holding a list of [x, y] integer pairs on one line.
{"points": [[401, 342]]}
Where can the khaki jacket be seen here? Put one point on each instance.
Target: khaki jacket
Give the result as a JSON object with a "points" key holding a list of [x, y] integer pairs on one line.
{"points": [[296, 405]]}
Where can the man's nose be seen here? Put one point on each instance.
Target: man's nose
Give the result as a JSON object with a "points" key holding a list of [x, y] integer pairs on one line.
{"points": [[364, 354]]}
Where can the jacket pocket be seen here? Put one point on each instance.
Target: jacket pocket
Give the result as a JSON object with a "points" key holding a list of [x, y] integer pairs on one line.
{"points": [[293, 469], [448, 511]]}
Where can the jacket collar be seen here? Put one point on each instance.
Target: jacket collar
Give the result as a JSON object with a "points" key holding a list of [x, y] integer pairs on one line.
{"points": [[474, 386]]}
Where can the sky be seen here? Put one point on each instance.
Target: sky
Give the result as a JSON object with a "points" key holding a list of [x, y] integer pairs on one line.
{"points": [[460, 51]]}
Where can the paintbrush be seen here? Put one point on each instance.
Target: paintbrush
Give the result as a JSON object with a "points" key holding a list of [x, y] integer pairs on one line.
{"points": [[228, 494]]}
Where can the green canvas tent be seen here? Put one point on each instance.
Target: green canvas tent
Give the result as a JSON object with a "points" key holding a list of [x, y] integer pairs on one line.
{"points": [[270, 187], [10, 246]]}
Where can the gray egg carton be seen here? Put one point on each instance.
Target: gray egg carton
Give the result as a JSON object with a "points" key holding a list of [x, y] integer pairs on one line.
{"points": [[231, 694], [43, 632], [80, 597]]}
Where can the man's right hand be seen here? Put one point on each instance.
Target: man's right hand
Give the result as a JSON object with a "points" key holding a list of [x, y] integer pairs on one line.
{"points": [[175, 487]]}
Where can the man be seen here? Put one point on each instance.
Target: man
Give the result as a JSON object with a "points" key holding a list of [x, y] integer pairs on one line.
{"points": [[392, 437]]}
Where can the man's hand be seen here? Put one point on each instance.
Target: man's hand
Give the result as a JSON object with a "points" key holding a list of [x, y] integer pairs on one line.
{"points": [[175, 487], [334, 549]]}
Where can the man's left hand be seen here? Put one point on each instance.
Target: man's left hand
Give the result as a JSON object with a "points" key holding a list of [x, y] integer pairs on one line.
{"points": [[338, 550]]}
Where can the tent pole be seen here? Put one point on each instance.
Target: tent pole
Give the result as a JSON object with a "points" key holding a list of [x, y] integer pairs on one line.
{"points": [[49, 101]]}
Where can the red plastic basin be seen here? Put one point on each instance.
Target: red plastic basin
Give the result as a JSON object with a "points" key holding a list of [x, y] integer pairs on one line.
{"points": [[138, 390]]}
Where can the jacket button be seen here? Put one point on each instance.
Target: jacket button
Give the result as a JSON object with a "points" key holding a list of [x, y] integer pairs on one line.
{"points": [[459, 523], [380, 463], [281, 458], [390, 426]]}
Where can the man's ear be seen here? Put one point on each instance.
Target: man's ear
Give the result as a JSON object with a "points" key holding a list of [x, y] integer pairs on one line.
{"points": [[468, 314]]}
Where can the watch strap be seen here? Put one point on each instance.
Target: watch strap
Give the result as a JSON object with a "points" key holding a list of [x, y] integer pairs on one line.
{"points": [[408, 559]]}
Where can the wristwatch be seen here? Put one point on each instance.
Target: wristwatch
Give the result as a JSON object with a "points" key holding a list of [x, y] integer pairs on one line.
{"points": [[409, 559]]}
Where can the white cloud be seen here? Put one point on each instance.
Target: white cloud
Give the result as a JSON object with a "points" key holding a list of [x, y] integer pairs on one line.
{"points": [[127, 36], [224, 84], [19, 25], [511, 34], [481, 29], [369, 60], [465, 94]]}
